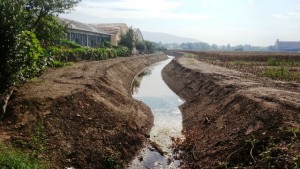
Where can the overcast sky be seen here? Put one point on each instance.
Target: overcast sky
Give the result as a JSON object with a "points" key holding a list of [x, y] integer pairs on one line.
{"points": [[255, 22]]}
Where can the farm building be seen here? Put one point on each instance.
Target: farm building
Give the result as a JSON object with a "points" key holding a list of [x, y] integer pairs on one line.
{"points": [[115, 29], [287, 45], [85, 34]]}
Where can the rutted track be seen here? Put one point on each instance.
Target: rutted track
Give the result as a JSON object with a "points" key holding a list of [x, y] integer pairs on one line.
{"points": [[86, 114], [235, 119]]}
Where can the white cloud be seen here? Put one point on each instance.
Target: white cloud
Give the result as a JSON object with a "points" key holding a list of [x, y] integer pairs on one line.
{"points": [[289, 15], [134, 5], [137, 9]]}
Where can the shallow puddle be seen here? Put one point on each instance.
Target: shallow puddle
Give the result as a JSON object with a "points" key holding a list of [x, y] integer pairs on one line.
{"points": [[150, 88]]}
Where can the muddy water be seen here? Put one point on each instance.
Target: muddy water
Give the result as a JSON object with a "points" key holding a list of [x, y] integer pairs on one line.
{"points": [[149, 87]]}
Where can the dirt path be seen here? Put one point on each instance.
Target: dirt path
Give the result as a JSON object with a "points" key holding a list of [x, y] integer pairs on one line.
{"points": [[81, 116], [235, 119]]}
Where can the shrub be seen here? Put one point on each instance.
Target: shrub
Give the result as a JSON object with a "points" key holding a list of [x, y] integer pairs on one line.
{"points": [[122, 51], [69, 44], [28, 60]]}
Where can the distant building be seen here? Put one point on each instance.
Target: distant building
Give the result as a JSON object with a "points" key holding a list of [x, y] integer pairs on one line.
{"points": [[115, 29], [287, 45], [247, 47], [85, 34]]}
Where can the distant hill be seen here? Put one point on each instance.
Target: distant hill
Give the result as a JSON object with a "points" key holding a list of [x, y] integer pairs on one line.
{"points": [[166, 38]]}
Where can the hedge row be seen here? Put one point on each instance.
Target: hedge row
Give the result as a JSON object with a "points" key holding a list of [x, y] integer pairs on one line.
{"points": [[84, 53]]}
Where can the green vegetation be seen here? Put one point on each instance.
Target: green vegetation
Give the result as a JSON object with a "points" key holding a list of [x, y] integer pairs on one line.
{"points": [[266, 151], [297, 161], [11, 158], [26, 28], [285, 68], [66, 52], [38, 139], [282, 62], [280, 73], [195, 46], [29, 40], [128, 39], [112, 159], [295, 132], [245, 63], [110, 162]]}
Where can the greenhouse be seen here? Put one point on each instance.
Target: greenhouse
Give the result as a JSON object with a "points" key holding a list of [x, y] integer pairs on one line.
{"points": [[85, 34]]}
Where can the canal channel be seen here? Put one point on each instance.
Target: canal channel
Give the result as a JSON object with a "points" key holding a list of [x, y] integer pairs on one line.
{"points": [[149, 87]]}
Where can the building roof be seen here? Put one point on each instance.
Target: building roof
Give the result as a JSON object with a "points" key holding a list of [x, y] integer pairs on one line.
{"points": [[110, 30], [71, 24], [113, 28]]}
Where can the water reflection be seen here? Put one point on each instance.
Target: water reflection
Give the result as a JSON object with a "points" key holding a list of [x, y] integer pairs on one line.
{"points": [[138, 79], [150, 88]]}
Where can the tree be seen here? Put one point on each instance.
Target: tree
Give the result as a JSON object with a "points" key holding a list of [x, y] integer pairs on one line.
{"points": [[195, 46], [150, 47], [11, 19], [214, 47], [128, 39], [41, 16], [140, 46], [26, 23]]}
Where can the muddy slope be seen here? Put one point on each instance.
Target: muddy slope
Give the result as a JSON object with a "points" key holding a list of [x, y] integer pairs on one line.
{"points": [[233, 119], [81, 116]]}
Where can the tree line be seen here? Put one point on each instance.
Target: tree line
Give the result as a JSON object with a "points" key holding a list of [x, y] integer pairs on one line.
{"points": [[131, 40]]}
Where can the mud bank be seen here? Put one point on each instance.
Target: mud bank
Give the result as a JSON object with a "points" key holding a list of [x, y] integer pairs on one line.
{"points": [[234, 119], [81, 116]]}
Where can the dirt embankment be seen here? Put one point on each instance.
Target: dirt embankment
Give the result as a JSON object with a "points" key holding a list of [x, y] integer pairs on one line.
{"points": [[234, 119], [81, 116]]}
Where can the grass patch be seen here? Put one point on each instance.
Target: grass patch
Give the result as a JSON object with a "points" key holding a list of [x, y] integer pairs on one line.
{"points": [[11, 158], [280, 73], [245, 63], [282, 62], [189, 55], [56, 63], [297, 161], [36, 80], [38, 139], [112, 159]]}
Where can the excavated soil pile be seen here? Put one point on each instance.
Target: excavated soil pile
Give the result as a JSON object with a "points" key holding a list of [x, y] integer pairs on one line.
{"points": [[235, 119], [81, 116]]}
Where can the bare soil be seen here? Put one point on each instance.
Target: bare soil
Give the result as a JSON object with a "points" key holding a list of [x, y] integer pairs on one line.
{"points": [[82, 116], [235, 119]]}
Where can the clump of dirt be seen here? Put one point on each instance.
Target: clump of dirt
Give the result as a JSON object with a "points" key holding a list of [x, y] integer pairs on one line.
{"points": [[235, 119], [81, 116]]}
